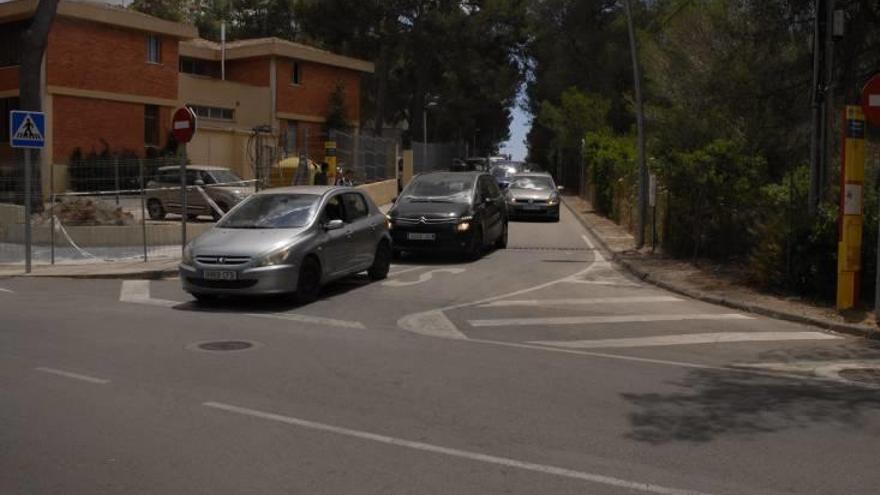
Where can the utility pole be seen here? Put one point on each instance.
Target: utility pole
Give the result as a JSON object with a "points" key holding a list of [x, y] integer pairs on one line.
{"points": [[827, 95], [815, 97], [640, 125]]}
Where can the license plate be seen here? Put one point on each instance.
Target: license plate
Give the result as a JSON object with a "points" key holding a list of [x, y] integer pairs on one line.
{"points": [[418, 236], [220, 275], [533, 207]]}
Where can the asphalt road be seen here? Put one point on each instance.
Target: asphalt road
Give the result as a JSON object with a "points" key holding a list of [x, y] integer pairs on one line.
{"points": [[537, 369]]}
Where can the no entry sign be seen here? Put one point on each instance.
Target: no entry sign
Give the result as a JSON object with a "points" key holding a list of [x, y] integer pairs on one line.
{"points": [[871, 100], [183, 124]]}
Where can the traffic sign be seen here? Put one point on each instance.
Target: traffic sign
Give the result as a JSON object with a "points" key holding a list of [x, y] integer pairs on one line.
{"points": [[871, 100], [183, 124], [27, 129]]}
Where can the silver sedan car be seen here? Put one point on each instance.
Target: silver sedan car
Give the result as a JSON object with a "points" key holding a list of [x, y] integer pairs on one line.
{"points": [[532, 195], [288, 240]]}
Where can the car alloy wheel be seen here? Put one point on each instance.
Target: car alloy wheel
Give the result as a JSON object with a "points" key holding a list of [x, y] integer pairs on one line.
{"points": [[155, 210], [308, 286], [381, 262]]}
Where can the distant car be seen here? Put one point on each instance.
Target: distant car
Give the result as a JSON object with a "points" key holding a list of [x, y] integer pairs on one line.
{"points": [[502, 172], [223, 186], [288, 240], [449, 211], [533, 195]]}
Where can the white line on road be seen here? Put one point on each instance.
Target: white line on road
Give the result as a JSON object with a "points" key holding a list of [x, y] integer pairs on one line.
{"points": [[318, 320], [617, 283], [138, 292], [395, 273], [586, 320], [576, 302], [9, 291], [462, 454], [75, 376], [424, 277], [688, 339]]}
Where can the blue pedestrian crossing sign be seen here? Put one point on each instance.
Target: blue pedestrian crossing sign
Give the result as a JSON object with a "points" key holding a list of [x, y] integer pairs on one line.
{"points": [[27, 129]]}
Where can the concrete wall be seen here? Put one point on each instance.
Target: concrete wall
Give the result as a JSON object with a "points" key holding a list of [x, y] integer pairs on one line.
{"points": [[382, 193], [106, 236], [252, 104]]}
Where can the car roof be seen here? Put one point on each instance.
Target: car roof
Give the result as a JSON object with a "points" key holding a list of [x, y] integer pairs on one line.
{"points": [[195, 167], [473, 173], [533, 174], [316, 190]]}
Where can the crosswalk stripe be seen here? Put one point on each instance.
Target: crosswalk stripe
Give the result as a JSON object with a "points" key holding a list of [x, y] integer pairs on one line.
{"points": [[687, 339], [317, 320], [575, 302], [585, 320]]}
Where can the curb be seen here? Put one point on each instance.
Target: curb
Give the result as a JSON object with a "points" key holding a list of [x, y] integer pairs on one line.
{"points": [[857, 330], [134, 275]]}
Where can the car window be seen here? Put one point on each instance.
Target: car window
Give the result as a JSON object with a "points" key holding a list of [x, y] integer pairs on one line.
{"points": [[272, 211], [333, 210], [485, 189], [169, 176], [191, 177], [355, 206]]}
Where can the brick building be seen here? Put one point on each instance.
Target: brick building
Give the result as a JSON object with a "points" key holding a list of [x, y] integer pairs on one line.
{"points": [[112, 77]]}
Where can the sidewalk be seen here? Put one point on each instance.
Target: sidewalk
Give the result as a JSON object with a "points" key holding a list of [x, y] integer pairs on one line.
{"points": [[154, 269], [713, 284]]}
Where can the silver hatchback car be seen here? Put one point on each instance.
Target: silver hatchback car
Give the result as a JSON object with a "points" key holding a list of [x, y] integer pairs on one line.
{"points": [[288, 240]]}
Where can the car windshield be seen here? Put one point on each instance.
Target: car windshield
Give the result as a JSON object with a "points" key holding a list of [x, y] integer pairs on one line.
{"points": [[272, 211], [503, 172], [532, 183], [224, 176], [440, 189]]}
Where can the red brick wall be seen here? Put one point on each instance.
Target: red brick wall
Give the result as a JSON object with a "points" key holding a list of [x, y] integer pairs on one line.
{"points": [[253, 71], [8, 78], [97, 57], [84, 122], [317, 83]]}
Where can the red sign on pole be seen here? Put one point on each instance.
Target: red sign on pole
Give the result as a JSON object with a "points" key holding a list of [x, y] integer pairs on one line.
{"points": [[183, 124], [871, 100]]}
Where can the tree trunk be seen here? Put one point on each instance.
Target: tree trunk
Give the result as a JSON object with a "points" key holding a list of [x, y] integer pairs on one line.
{"points": [[382, 82], [34, 40]]}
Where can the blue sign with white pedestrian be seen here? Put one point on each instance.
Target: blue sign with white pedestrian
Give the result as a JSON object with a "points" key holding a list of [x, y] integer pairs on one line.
{"points": [[27, 129]]}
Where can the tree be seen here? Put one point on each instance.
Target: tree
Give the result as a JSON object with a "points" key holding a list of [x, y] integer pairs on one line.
{"points": [[336, 117], [34, 39]]}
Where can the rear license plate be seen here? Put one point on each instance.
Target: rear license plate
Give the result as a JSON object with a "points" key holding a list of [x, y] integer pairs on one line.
{"points": [[220, 275], [418, 236]]}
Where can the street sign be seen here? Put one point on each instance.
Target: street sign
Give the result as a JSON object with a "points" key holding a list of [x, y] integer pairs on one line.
{"points": [[871, 100], [183, 124], [27, 129]]}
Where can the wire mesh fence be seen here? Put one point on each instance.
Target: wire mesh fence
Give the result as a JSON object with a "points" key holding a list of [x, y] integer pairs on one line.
{"points": [[368, 158], [428, 157]]}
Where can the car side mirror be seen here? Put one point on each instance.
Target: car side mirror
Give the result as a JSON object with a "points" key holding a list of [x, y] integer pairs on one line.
{"points": [[560, 188], [334, 224], [199, 182]]}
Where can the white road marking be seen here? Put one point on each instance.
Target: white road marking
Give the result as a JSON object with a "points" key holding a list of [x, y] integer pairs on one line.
{"points": [[432, 324], [424, 277], [462, 454], [687, 339], [317, 320], [138, 292], [617, 283], [75, 376], [587, 320], [394, 273], [577, 302], [829, 370], [9, 291]]}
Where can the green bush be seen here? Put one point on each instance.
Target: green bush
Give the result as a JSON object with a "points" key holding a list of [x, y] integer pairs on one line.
{"points": [[612, 162]]}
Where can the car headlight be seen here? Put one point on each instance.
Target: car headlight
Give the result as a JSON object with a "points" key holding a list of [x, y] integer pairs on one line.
{"points": [[187, 257], [389, 222], [553, 200], [275, 257], [464, 223]]}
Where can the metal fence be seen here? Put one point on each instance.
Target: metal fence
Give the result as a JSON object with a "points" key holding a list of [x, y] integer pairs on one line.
{"points": [[428, 157], [93, 220], [371, 159]]}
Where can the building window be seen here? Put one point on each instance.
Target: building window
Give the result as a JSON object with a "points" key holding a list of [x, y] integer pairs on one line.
{"points": [[10, 44], [213, 113], [199, 67], [296, 74], [151, 125], [154, 49], [6, 105], [290, 137]]}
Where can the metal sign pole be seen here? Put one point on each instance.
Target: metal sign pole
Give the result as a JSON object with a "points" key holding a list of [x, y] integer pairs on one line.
{"points": [[183, 206], [52, 214], [27, 211], [143, 205]]}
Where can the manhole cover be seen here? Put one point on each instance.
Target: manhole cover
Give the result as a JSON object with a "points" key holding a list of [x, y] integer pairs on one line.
{"points": [[223, 345], [863, 375]]}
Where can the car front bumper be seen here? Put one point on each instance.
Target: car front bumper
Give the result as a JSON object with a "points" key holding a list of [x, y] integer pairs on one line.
{"points": [[446, 238], [524, 210], [264, 280]]}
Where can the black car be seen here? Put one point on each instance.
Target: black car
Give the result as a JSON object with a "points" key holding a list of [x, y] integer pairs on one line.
{"points": [[449, 211]]}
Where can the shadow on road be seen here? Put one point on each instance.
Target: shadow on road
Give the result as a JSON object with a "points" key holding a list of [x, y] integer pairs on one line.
{"points": [[713, 403]]}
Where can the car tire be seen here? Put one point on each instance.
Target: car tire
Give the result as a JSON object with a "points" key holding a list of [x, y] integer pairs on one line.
{"points": [[308, 284], [501, 242], [206, 298], [192, 217], [217, 216], [475, 246], [381, 262], [155, 209], [396, 254]]}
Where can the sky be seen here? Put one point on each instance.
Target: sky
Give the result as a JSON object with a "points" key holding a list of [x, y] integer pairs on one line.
{"points": [[518, 130]]}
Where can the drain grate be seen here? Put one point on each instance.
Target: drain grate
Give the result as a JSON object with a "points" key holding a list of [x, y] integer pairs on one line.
{"points": [[862, 375], [223, 346]]}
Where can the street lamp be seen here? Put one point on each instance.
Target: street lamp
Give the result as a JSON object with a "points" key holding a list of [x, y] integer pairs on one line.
{"points": [[430, 104]]}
